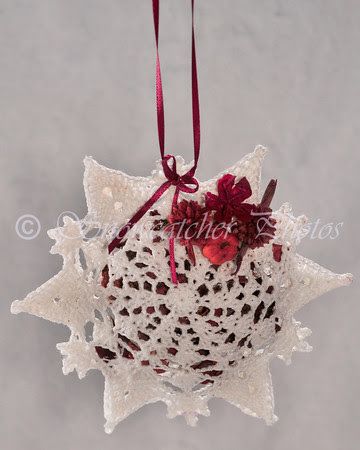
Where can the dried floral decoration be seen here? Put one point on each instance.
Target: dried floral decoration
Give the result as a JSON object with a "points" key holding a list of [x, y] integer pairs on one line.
{"points": [[223, 226], [211, 335]]}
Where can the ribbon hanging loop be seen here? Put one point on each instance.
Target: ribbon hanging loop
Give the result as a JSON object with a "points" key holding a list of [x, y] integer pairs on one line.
{"points": [[183, 183]]}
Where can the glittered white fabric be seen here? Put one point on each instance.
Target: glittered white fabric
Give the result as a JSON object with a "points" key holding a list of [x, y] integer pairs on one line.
{"points": [[212, 335]]}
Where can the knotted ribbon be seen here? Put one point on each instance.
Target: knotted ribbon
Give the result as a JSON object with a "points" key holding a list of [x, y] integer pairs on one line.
{"points": [[183, 183]]}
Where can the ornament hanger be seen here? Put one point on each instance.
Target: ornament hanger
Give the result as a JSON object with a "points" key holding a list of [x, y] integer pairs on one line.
{"points": [[182, 183]]}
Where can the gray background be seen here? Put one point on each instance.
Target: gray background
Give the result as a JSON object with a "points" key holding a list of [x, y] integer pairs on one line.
{"points": [[77, 78]]}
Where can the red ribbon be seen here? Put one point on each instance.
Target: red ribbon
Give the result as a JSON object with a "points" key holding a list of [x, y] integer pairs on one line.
{"points": [[183, 183]]}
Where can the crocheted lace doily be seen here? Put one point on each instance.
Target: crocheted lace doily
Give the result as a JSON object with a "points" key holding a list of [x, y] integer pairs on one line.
{"points": [[212, 335]]}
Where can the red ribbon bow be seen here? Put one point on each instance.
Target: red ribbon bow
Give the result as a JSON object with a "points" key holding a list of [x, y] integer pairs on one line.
{"points": [[183, 183]]}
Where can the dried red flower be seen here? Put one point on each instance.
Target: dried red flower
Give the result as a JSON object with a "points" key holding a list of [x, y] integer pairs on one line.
{"points": [[229, 201], [221, 249], [185, 214], [260, 229], [188, 222]]}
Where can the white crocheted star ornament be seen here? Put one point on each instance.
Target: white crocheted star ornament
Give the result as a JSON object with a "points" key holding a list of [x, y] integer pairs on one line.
{"points": [[211, 335]]}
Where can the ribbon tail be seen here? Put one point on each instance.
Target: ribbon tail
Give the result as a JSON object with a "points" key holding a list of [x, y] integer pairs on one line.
{"points": [[172, 260], [115, 243]]}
